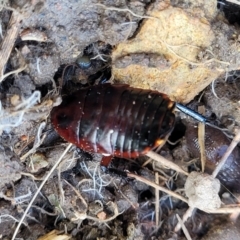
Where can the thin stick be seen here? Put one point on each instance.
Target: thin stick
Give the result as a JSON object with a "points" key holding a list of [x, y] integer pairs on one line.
{"points": [[233, 144], [201, 138], [39, 189], [187, 235], [225, 210], [166, 162], [152, 184], [9, 39], [186, 215], [201, 134], [157, 199], [233, 1], [234, 216]]}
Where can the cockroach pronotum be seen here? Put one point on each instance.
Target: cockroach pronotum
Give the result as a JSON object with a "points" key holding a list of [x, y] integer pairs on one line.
{"points": [[115, 120]]}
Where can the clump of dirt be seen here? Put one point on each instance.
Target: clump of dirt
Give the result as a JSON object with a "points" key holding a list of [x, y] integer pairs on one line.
{"points": [[52, 48]]}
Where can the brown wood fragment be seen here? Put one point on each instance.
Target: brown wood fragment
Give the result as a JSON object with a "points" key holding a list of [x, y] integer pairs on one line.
{"points": [[9, 39], [33, 35]]}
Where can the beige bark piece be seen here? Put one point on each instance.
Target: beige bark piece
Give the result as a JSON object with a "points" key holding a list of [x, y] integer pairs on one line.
{"points": [[169, 55], [9, 39], [55, 235]]}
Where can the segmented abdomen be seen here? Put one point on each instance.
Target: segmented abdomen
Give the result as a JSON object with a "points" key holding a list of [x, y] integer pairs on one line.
{"points": [[115, 120]]}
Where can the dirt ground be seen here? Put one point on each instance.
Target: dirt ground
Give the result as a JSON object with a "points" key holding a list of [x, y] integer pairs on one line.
{"points": [[188, 49]]}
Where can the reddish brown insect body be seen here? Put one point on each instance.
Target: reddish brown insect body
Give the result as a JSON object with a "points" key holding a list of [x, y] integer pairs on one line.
{"points": [[115, 120]]}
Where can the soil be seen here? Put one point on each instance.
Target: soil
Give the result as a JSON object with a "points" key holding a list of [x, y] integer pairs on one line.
{"points": [[186, 49]]}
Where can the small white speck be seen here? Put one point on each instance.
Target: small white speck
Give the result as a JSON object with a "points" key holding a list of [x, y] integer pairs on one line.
{"points": [[134, 102], [149, 96], [111, 131]]}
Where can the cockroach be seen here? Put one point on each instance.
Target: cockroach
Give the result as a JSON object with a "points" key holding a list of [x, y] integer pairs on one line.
{"points": [[216, 144], [115, 120]]}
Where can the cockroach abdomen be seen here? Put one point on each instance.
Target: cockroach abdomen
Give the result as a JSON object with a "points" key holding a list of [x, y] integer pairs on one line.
{"points": [[115, 120]]}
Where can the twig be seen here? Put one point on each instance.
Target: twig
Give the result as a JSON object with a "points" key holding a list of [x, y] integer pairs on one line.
{"points": [[9, 40], [187, 235], [61, 191], [225, 210], [233, 1], [165, 162], [186, 215], [152, 184], [233, 144], [157, 199], [39, 189], [234, 216], [201, 139]]}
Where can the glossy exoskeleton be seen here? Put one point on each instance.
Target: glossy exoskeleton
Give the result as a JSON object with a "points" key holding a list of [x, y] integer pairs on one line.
{"points": [[115, 120]]}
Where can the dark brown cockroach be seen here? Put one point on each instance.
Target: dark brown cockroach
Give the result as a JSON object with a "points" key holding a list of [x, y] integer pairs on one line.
{"points": [[216, 144], [115, 120]]}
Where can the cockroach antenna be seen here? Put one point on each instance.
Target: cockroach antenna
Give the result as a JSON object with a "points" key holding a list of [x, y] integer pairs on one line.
{"points": [[197, 116], [188, 111]]}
